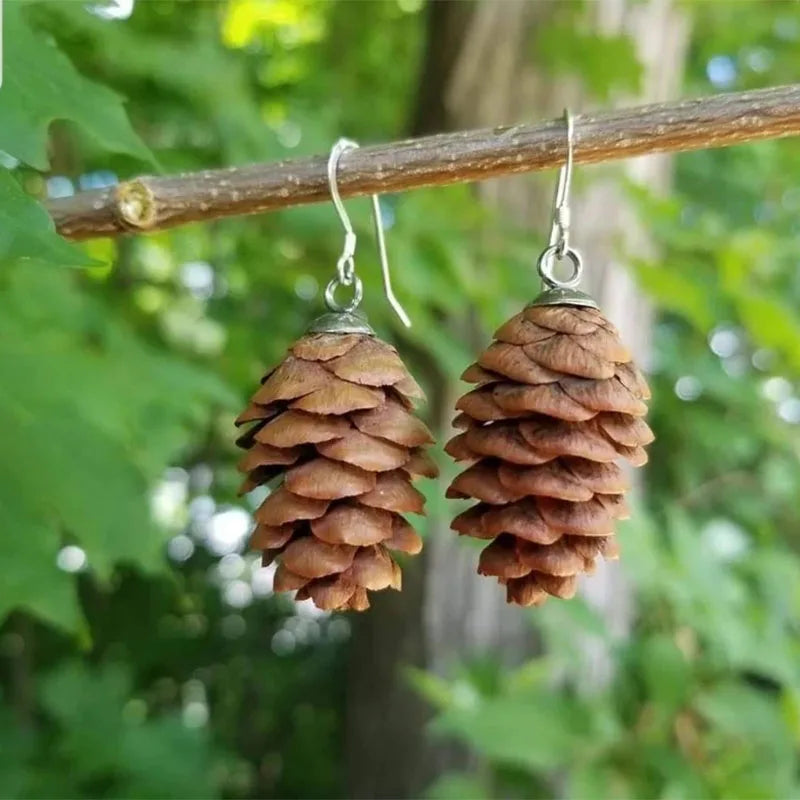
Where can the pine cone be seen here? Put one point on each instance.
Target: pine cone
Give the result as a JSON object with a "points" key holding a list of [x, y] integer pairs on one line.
{"points": [[333, 421], [558, 401]]}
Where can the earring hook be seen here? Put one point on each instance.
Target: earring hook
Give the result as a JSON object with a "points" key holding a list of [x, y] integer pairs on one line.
{"points": [[559, 291], [558, 248], [345, 265], [384, 259], [559, 232]]}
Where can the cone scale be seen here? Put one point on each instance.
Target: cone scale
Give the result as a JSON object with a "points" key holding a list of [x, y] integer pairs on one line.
{"points": [[557, 403], [331, 429]]}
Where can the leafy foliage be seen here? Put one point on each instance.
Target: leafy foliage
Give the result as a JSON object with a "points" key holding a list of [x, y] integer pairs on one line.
{"points": [[106, 744], [28, 232], [605, 64], [117, 383], [65, 441], [43, 86]]}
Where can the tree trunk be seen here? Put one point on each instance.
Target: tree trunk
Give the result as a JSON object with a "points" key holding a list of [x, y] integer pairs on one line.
{"points": [[478, 72], [660, 33]]}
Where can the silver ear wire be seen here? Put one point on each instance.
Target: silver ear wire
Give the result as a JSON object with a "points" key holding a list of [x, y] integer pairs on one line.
{"points": [[384, 259], [345, 265], [559, 232], [562, 291]]}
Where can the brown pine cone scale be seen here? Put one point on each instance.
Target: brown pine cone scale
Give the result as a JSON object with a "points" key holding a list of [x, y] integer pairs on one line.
{"points": [[557, 402], [332, 426]]}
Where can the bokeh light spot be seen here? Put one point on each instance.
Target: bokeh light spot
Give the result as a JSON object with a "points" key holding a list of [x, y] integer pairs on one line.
{"points": [[688, 388], [72, 559], [180, 548]]}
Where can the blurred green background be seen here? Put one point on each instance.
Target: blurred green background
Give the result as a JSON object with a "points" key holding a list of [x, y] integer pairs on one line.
{"points": [[142, 652]]}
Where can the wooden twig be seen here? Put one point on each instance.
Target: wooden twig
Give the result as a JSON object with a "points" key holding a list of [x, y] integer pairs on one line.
{"points": [[154, 203]]}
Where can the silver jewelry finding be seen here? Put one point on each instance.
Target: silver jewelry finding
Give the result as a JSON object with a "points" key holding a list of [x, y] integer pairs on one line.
{"points": [[355, 301], [341, 322], [345, 265], [547, 261], [562, 290]]}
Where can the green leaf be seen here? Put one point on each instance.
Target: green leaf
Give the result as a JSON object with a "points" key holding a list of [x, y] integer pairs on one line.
{"points": [[741, 711], [26, 230], [89, 709], [29, 546], [604, 63], [15, 755], [457, 786], [41, 85], [678, 292], [154, 772], [92, 417], [666, 672], [436, 690], [541, 732], [592, 781], [772, 323], [753, 741], [67, 471], [99, 740]]}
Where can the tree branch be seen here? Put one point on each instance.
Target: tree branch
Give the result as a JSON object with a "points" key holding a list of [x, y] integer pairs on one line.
{"points": [[155, 203]]}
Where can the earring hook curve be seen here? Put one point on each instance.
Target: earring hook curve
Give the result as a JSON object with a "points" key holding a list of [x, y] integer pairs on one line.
{"points": [[345, 265], [349, 250]]}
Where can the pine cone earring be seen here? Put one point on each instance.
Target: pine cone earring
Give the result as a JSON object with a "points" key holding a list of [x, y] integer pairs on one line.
{"points": [[558, 402], [332, 426]]}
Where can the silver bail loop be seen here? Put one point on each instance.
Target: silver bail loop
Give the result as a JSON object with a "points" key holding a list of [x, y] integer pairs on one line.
{"points": [[345, 265]]}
